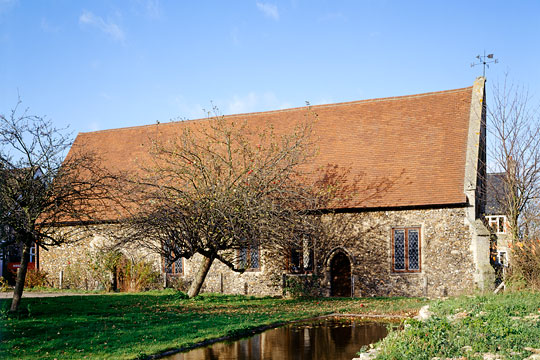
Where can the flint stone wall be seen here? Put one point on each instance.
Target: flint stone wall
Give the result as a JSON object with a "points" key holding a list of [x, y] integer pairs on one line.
{"points": [[447, 265], [74, 260], [220, 279], [446, 259]]}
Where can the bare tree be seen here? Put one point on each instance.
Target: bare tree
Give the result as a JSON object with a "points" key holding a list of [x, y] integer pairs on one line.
{"points": [[515, 152], [39, 191], [216, 188]]}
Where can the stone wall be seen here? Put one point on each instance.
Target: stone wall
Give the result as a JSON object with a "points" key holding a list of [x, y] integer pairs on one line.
{"points": [[74, 264], [447, 263], [220, 279]]}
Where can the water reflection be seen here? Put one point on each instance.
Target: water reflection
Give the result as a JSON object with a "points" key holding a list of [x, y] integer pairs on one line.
{"points": [[324, 339]]}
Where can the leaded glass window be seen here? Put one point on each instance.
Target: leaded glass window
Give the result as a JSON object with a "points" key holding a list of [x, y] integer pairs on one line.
{"points": [[399, 249], [254, 256], [168, 266], [406, 250], [178, 266], [174, 267], [242, 257], [249, 257], [414, 261]]}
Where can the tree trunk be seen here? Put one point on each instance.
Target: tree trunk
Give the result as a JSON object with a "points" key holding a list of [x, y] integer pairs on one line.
{"points": [[21, 276], [195, 287]]}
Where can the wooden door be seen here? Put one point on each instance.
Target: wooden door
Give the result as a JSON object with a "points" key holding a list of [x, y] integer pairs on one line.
{"points": [[340, 272]]}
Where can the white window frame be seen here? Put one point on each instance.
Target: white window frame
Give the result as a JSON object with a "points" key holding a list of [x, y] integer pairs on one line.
{"points": [[502, 257], [494, 222], [33, 253]]}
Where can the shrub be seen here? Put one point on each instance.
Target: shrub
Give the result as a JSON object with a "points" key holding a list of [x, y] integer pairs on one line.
{"points": [[35, 278], [525, 266], [103, 265], [302, 285], [178, 283], [142, 276], [4, 286], [74, 276], [113, 271]]}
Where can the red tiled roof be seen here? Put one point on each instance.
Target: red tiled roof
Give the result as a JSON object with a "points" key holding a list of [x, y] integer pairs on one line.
{"points": [[416, 142]]}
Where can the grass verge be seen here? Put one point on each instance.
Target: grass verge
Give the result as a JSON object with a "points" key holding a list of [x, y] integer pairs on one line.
{"points": [[127, 326], [481, 327]]}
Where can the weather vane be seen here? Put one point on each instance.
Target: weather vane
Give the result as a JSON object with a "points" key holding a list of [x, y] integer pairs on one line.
{"points": [[485, 60]]}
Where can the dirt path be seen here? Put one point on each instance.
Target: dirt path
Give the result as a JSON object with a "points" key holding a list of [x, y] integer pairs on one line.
{"points": [[36, 294]]}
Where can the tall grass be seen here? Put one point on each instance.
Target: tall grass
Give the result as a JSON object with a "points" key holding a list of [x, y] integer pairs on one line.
{"points": [[524, 272], [496, 326]]}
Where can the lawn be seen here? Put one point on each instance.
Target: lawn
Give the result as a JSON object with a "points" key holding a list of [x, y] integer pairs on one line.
{"points": [[127, 326], [503, 326]]}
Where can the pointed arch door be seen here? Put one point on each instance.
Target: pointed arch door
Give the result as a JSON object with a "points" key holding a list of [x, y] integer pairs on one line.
{"points": [[340, 273]]}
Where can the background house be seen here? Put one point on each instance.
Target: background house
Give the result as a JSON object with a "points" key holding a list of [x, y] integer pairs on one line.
{"points": [[496, 217], [10, 249]]}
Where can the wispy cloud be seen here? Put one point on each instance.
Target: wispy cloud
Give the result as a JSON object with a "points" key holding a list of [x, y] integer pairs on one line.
{"points": [[270, 10], [48, 27], [107, 27], [253, 102], [185, 109], [237, 104], [149, 9], [153, 8], [93, 126]]}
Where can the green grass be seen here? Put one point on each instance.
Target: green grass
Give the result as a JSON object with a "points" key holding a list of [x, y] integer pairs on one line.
{"points": [[470, 327], [126, 326]]}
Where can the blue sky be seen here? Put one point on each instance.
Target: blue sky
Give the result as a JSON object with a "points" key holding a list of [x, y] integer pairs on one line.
{"points": [[105, 64]]}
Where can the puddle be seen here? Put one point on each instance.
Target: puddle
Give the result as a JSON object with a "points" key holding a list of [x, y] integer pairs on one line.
{"points": [[329, 338]]}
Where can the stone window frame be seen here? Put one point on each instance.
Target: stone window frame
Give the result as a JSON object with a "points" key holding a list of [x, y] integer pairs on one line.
{"points": [[407, 270], [248, 249]]}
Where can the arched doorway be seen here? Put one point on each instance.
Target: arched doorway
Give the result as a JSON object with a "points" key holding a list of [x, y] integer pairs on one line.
{"points": [[340, 273], [121, 281]]}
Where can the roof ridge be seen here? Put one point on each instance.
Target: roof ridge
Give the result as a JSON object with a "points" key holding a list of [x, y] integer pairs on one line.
{"points": [[365, 101]]}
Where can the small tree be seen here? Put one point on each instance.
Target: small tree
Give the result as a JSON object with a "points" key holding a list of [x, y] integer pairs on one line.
{"points": [[39, 191], [515, 151]]}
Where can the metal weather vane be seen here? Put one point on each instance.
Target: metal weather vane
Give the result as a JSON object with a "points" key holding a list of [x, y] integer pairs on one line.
{"points": [[485, 60]]}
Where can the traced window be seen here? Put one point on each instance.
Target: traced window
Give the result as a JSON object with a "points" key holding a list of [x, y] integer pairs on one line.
{"points": [[406, 252], [301, 260], [249, 257], [497, 223]]}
